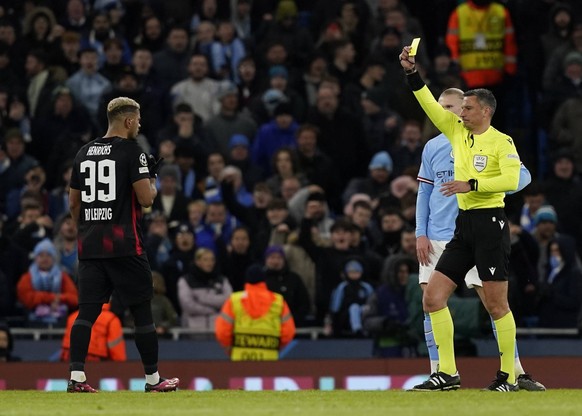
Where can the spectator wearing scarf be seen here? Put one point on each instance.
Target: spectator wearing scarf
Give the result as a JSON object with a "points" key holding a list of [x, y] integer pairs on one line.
{"points": [[46, 291]]}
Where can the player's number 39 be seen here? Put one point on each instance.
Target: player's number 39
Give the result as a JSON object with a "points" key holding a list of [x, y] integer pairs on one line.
{"points": [[96, 173]]}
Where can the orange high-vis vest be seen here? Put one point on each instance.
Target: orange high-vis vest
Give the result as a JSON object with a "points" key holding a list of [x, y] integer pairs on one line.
{"points": [[482, 41], [256, 339], [107, 343], [254, 324]]}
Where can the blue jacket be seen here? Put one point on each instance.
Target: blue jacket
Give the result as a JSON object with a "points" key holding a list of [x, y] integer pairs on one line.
{"points": [[269, 139]]}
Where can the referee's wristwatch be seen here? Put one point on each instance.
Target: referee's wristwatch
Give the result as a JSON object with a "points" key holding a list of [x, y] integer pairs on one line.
{"points": [[473, 184]]}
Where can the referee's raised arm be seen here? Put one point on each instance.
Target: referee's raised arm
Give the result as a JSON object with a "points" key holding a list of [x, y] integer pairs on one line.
{"points": [[444, 120]]}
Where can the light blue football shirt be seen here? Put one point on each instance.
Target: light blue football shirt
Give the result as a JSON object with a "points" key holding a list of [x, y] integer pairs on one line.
{"points": [[436, 213]]}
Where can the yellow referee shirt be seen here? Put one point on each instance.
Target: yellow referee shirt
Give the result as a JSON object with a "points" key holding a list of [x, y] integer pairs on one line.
{"points": [[491, 158]]}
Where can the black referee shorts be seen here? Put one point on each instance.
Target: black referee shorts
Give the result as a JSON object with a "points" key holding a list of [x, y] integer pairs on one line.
{"points": [[481, 239], [130, 277]]}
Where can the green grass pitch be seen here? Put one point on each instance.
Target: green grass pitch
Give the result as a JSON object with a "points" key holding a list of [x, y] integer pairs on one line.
{"points": [[304, 403]]}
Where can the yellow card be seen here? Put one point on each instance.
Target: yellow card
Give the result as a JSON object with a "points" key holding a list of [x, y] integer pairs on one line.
{"points": [[414, 47]]}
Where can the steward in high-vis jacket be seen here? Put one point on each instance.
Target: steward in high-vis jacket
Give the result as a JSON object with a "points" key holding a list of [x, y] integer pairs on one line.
{"points": [[107, 343], [254, 324], [481, 39]]}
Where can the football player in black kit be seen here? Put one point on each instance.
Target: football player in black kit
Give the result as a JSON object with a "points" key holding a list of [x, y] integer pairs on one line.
{"points": [[112, 180]]}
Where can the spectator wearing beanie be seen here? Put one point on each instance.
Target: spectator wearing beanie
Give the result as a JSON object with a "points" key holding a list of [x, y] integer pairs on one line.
{"points": [[545, 222], [229, 122], [262, 106], [280, 80], [44, 290], [377, 182], [239, 156], [285, 28], [272, 136], [348, 298], [281, 280]]}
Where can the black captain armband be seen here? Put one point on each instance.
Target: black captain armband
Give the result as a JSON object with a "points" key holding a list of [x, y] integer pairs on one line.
{"points": [[414, 80], [474, 184]]}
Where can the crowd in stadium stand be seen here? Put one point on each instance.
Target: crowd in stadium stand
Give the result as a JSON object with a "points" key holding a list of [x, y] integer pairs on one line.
{"points": [[290, 139]]}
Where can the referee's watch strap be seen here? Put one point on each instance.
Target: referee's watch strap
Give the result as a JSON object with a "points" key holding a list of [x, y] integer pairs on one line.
{"points": [[474, 184]]}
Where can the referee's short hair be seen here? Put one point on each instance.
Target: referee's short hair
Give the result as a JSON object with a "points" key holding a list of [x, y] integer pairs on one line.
{"points": [[120, 106], [485, 98]]}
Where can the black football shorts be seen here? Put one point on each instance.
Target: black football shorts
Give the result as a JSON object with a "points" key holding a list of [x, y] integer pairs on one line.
{"points": [[481, 239], [130, 277]]}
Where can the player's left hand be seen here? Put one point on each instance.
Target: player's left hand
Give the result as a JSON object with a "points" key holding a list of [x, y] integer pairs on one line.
{"points": [[455, 187], [154, 165]]}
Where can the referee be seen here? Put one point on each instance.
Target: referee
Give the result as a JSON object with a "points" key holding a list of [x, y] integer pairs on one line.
{"points": [[110, 182], [486, 166]]}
